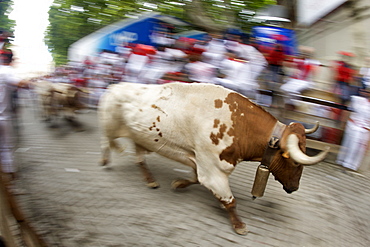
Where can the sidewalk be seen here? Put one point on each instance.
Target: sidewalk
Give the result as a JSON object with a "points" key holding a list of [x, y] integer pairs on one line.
{"points": [[72, 201]]}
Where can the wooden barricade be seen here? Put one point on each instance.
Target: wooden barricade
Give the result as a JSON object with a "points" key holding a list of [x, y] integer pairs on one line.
{"points": [[336, 124], [14, 227]]}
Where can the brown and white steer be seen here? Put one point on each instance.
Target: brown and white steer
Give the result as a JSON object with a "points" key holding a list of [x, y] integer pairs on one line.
{"points": [[58, 98], [206, 127]]}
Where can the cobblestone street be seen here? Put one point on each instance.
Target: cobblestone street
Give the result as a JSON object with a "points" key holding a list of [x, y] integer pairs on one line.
{"points": [[73, 202]]}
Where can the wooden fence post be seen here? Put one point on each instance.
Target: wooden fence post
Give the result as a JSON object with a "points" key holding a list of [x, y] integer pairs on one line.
{"points": [[11, 215]]}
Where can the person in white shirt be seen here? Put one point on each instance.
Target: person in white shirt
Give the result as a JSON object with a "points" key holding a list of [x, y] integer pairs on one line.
{"points": [[165, 60], [136, 62], [256, 64], [365, 73], [235, 72], [8, 84], [303, 70], [97, 86], [357, 132], [215, 50], [197, 70]]}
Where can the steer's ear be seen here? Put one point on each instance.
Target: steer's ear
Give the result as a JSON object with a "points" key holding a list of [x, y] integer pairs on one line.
{"points": [[71, 93], [286, 155], [283, 147]]}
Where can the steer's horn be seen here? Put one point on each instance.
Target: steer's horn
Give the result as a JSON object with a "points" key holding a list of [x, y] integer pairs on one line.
{"points": [[298, 156], [310, 131]]}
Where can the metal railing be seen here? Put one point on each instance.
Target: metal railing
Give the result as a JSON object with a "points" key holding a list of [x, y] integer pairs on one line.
{"points": [[283, 114]]}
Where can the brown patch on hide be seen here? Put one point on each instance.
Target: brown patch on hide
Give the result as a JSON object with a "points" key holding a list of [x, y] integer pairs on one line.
{"points": [[231, 132], [218, 103], [156, 140], [160, 134], [153, 126], [218, 136], [250, 129], [158, 108], [158, 119], [216, 122]]}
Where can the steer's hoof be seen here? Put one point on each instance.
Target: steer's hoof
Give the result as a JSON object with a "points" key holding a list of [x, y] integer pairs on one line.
{"points": [[104, 162], [179, 184], [153, 185], [242, 230], [79, 129]]}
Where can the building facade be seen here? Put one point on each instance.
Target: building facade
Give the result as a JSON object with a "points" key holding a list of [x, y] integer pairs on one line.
{"points": [[331, 26]]}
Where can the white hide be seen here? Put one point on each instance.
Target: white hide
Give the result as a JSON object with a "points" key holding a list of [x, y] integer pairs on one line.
{"points": [[174, 120]]}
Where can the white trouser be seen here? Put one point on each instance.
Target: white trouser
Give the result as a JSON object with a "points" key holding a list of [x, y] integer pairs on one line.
{"points": [[94, 97], [294, 86], [256, 70], [226, 83], [353, 146], [6, 146]]}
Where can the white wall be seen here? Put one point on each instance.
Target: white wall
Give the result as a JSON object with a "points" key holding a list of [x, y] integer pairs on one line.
{"points": [[309, 11], [338, 31]]}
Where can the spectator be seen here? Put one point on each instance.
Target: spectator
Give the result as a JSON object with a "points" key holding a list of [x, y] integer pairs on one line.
{"points": [[8, 84], [97, 86], [197, 70], [356, 136], [234, 72], [302, 76], [88, 62], [137, 62], [275, 61], [161, 63], [365, 74], [344, 77], [215, 49], [256, 61]]}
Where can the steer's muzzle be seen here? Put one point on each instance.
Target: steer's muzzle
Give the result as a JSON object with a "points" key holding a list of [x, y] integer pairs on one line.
{"points": [[290, 190]]}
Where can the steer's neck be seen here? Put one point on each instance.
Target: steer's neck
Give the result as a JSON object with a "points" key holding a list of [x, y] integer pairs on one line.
{"points": [[252, 128], [259, 129]]}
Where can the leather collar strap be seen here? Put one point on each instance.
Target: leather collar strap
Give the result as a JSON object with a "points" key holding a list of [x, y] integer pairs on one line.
{"points": [[273, 144]]}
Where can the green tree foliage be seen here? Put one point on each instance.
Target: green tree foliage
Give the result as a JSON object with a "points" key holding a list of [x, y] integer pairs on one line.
{"points": [[70, 20], [6, 25]]}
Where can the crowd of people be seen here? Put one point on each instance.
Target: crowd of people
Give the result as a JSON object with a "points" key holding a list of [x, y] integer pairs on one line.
{"points": [[224, 59], [228, 62]]}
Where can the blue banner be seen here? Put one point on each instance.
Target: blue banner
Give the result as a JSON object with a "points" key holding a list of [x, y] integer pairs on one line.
{"points": [[137, 32], [267, 37]]}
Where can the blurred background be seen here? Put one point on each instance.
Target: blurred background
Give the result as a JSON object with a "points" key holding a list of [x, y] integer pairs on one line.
{"points": [[301, 60]]}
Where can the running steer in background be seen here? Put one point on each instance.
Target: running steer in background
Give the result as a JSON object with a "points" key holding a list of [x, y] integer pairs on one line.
{"points": [[206, 127], [59, 99]]}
